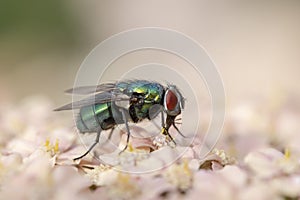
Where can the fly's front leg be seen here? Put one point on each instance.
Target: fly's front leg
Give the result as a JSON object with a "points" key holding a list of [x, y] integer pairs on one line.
{"points": [[165, 132], [177, 129], [165, 128]]}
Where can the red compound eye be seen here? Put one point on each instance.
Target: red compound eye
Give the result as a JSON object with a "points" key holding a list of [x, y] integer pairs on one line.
{"points": [[171, 100]]}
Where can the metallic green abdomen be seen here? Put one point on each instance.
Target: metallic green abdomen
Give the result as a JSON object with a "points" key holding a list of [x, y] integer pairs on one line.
{"points": [[93, 117]]}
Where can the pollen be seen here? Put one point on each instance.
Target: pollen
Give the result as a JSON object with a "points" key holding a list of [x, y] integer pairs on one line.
{"points": [[123, 178], [53, 149], [56, 147], [125, 187], [225, 158], [287, 153], [180, 175], [186, 168], [130, 148], [47, 145], [288, 163]]}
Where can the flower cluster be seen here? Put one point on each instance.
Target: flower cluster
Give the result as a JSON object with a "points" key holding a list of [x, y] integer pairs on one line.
{"points": [[257, 158]]}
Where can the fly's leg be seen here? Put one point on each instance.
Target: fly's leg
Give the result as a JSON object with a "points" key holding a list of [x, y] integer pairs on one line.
{"points": [[110, 133], [109, 136], [127, 128], [178, 130], [166, 132], [91, 147], [162, 118], [165, 129]]}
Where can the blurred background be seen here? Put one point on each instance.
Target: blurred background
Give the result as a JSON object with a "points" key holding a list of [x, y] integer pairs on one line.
{"points": [[255, 44]]}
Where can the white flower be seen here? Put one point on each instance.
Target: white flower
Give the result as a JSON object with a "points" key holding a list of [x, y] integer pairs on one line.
{"points": [[217, 159], [258, 190], [102, 175], [268, 163], [288, 164], [235, 176], [209, 185], [225, 159], [264, 163], [286, 186], [180, 175], [124, 187]]}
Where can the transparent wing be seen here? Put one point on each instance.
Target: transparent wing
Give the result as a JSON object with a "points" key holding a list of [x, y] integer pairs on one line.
{"points": [[103, 93], [104, 87], [84, 90], [103, 97]]}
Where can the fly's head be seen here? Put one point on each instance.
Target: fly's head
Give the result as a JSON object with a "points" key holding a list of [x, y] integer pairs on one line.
{"points": [[173, 103]]}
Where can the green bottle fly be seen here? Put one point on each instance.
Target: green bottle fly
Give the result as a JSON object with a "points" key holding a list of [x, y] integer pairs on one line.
{"points": [[111, 104]]}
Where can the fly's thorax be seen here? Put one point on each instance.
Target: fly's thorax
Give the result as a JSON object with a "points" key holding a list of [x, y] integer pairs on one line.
{"points": [[141, 112], [150, 91], [142, 95]]}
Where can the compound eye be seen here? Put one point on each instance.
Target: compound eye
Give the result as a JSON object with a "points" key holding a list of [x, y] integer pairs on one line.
{"points": [[171, 100]]}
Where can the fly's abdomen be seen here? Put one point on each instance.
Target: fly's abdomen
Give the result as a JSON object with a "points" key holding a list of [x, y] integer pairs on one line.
{"points": [[95, 117]]}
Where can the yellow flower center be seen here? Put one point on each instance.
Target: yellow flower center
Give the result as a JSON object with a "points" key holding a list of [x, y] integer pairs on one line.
{"points": [[287, 153], [52, 149]]}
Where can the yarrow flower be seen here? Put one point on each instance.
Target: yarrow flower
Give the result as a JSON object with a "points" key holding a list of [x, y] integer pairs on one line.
{"points": [[289, 164], [37, 158], [124, 187], [180, 175], [101, 175], [217, 159]]}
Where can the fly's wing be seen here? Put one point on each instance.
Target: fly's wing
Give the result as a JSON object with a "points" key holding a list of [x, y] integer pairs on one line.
{"points": [[104, 87], [98, 98], [84, 90], [102, 93]]}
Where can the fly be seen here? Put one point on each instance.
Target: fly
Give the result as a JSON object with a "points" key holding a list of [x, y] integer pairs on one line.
{"points": [[122, 102]]}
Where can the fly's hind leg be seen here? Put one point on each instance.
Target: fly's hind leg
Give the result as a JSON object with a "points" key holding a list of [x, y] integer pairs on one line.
{"points": [[110, 134], [127, 129], [91, 147]]}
